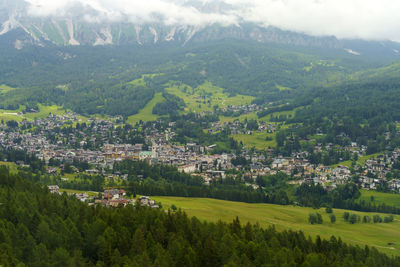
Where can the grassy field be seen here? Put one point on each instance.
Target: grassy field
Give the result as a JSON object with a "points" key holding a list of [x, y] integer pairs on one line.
{"points": [[379, 197], [295, 218], [10, 115], [206, 96], [257, 140], [289, 113], [146, 113], [249, 116], [141, 81], [282, 88], [44, 111]]}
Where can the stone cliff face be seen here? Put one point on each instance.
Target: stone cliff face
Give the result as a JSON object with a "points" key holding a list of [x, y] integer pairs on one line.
{"points": [[19, 28], [73, 29], [73, 32]]}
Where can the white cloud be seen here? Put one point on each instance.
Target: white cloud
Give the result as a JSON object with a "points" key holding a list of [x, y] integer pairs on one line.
{"points": [[367, 19]]}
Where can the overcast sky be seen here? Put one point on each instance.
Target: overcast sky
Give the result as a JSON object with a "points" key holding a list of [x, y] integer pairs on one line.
{"points": [[367, 19]]}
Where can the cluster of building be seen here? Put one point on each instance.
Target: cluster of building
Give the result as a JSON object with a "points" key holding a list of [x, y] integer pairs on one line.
{"points": [[242, 109], [110, 198], [71, 145], [238, 127]]}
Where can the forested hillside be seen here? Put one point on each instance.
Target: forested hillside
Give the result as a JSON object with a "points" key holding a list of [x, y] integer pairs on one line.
{"points": [[41, 229], [364, 109], [97, 80]]}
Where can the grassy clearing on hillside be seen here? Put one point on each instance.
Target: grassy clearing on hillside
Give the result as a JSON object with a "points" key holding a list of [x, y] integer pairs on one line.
{"points": [[44, 111], [206, 96], [146, 113], [380, 198], [249, 116], [141, 81], [257, 140], [282, 88], [5, 88], [295, 218], [289, 113], [10, 115]]}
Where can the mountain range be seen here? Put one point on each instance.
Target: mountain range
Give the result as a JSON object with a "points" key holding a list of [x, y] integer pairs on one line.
{"points": [[20, 28]]}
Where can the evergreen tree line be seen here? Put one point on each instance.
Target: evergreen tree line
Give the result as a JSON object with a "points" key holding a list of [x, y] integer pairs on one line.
{"points": [[343, 197], [42, 229]]}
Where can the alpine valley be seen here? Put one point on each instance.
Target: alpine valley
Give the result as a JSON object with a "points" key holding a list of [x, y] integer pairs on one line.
{"points": [[148, 140]]}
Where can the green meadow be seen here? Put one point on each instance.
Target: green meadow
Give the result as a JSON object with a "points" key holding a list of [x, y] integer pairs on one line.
{"points": [[384, 236], [44, 111], [205, 96], [389, 199], [5, 88], [146, 113], [257, 140]]}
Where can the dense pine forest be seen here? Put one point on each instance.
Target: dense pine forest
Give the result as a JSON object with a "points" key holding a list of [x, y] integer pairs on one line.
{"points": [[96, 80], [42, 229]]}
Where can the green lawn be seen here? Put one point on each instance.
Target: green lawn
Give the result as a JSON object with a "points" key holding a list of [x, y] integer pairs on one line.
{"points": [[5, 88], [206, 96], [257, 140], [295, 218], [146, 113], [379, 197], [10, 115]]}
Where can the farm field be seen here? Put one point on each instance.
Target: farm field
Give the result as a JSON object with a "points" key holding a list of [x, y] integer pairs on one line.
{"points": [[146, 113], [384, 236]]}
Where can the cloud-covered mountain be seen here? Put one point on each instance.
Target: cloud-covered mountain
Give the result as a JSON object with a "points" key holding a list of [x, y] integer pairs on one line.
{"points": [[120, 22]]}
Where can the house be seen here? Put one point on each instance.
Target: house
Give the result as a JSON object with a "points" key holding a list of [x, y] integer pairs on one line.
{"points": [[187, 168], [143, 155], [54, 189], [113, 193]]}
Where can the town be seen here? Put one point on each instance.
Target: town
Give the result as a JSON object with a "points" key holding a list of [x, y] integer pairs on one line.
{"points": [[99, 144]]}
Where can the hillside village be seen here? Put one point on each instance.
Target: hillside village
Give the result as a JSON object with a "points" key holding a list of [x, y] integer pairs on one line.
{"points": [[99, 143]]}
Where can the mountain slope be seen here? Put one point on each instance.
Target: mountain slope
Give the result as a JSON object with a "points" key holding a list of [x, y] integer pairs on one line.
{"points": [[85, 25]]}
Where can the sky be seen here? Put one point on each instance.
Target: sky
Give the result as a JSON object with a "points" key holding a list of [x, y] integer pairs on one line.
{"points": [[365, 19]]}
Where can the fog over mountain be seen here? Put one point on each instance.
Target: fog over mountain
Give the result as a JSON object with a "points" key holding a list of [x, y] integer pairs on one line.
{"points": [[112, 22], [367, 19]]}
